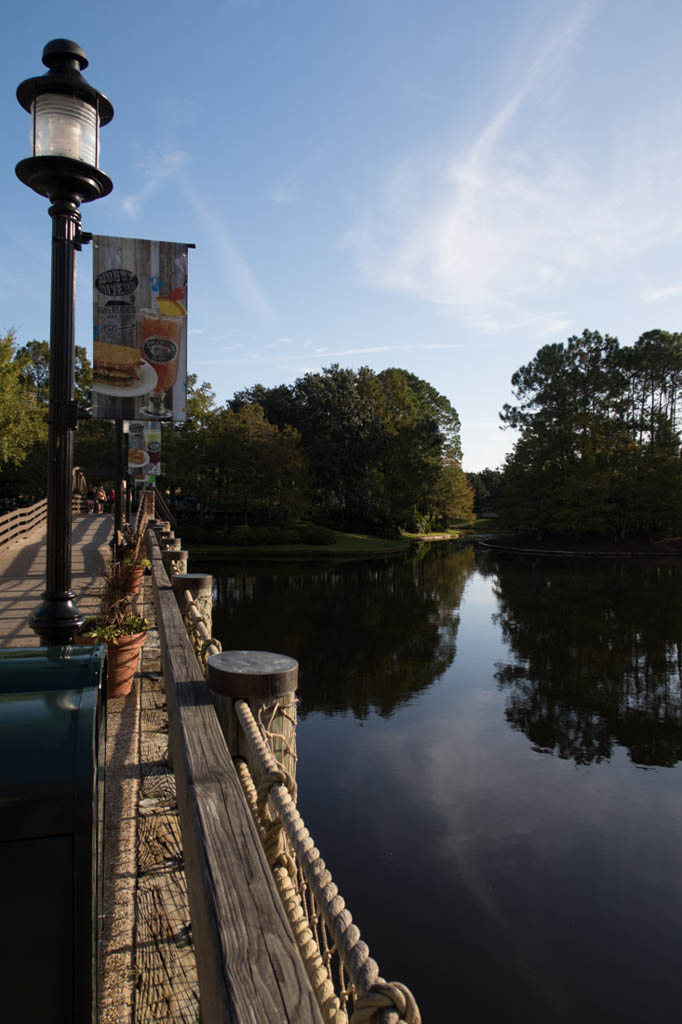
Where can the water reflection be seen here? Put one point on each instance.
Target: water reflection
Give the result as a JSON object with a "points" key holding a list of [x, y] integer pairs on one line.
{"points": [[595, 656], [367, 636]]}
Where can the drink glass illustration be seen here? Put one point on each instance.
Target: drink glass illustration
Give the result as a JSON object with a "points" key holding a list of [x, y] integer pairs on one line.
{"points": [[153, 439], [160, 341]]}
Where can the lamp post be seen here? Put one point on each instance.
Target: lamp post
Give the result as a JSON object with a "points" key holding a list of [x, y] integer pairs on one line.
{"points": [[66, 114]]}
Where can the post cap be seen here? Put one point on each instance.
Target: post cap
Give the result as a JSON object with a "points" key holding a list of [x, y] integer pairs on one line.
{"points": [[251, 674]]}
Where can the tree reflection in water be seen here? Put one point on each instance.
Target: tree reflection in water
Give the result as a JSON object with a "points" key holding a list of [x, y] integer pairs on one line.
{"points": [[597, 655], [368, 636]]}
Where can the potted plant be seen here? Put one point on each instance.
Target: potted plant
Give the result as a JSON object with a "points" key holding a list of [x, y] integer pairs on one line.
{"points": [[120, 628], [134, 569], [124, 637]]}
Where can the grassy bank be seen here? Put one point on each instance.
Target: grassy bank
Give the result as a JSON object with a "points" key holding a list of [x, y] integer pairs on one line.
{"points": [[345, 545]]}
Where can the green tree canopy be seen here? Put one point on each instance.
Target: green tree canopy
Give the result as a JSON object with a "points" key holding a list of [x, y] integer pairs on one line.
{"points": [[599, 444], [21, 412], [376, 444]]}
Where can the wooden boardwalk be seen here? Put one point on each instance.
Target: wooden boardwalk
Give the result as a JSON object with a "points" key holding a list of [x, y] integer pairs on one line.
{"points": [[147, 957], [22, 575]]}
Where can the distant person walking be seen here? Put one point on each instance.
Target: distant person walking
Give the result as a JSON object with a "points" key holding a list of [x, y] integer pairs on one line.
{"points": [[101, 498], [90, 498]]}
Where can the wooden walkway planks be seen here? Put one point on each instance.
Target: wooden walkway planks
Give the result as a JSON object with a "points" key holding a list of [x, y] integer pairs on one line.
{"points": [[167, 988], [149, 969]]}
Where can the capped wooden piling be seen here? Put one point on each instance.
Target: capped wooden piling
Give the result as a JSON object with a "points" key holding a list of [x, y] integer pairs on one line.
{"points": [[174, 562], [268, 682]]}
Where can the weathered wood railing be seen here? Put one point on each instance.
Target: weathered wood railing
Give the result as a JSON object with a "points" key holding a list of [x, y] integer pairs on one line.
{"points": [[255, 712], [248, 965], [15, 525], [162, 509]]}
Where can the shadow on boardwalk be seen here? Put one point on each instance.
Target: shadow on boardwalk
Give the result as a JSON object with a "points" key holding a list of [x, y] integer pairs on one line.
{"points": [[22, 576]]}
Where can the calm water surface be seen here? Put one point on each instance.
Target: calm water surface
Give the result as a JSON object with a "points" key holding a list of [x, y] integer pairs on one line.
{"points": [[490, 764]]}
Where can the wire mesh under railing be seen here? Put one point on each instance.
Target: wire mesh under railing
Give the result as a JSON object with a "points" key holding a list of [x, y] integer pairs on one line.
{"points": [[343, 975]]}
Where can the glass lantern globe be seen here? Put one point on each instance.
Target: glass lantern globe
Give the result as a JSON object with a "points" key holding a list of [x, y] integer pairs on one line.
{"points": [[66, 115], [65, 126]]}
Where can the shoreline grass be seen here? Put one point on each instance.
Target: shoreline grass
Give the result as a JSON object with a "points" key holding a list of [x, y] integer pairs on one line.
{"points": [[346, 545]]}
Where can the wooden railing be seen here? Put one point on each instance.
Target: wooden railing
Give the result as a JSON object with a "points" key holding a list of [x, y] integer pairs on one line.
{"points": [[14, 525], [162, 509], [248, 964]]}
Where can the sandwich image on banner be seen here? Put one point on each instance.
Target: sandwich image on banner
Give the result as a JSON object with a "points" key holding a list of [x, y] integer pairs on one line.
{"points": [[115, 365], [139, 329]]}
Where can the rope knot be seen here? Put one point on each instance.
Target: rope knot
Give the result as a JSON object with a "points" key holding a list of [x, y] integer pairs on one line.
{"points": [[386, 995]]}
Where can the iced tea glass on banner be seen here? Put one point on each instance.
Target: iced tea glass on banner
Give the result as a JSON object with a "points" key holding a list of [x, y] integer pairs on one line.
{"points": [[160, 343], [153, 438]]}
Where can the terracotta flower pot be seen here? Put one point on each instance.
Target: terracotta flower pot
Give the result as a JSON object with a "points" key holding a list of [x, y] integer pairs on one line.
{"points": [[122, 662], [136, 574]]}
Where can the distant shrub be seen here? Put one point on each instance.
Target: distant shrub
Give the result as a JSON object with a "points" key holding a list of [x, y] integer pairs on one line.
{"points": [[192, 533], [316, 535], [240, 535], [289, 536], [266, 535]]}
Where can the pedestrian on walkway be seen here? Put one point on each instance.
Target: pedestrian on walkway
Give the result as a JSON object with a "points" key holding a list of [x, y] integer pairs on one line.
{"points": [[90, 498], [101, 498]]}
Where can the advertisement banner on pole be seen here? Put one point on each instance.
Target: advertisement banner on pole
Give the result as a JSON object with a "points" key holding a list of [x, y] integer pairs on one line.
{"points": [[139, 329], [144, 450]]}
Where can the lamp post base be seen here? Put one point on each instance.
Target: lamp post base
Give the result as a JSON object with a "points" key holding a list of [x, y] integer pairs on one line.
{"points": [[57, 619]]}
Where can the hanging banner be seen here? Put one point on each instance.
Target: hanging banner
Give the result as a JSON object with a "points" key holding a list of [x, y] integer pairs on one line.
{"points": [[144, 449], [139, 329]]}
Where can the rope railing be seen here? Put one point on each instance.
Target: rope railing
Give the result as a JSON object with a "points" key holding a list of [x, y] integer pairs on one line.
{"points": [[203, 643], [363, 995], [343, 975]]}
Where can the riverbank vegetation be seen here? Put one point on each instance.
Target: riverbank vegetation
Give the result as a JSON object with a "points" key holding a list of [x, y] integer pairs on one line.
{"points": [[350, 450], [597, 456], [598, 453]]}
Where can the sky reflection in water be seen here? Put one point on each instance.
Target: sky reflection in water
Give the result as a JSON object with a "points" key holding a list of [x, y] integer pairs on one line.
{"points": [[482, 747]]}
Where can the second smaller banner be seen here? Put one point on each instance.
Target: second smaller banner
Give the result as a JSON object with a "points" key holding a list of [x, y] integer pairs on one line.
{"points": [[144, 450]]}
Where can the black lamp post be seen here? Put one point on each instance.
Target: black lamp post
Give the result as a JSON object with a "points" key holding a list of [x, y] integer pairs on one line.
{"points": [[66, 114]]}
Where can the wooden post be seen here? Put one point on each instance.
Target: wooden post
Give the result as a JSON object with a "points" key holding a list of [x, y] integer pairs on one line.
{"points": [[200, 586], [169, 543], [174, 562], [268, 682]]}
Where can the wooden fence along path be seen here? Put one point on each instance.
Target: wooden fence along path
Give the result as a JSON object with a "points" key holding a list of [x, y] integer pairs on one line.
{"points": [[16, 524], [22, 569]]}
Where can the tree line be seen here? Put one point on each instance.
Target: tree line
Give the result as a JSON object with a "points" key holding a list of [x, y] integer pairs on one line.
{"points": [[352, 448], [598, 452]]}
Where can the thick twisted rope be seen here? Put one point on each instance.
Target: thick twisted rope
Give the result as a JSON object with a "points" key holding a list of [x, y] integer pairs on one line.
{"points": [[375, 998], [317, 971], [203, 643]]}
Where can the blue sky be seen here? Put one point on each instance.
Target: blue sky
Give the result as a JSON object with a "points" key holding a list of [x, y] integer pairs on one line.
{"points": [[438, 185]]}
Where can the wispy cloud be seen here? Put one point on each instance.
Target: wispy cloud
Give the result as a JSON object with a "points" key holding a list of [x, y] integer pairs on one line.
{"points": [[324, 354], [155, 170], [672, 292], [285, 192], [232, 270], [502, 230]]}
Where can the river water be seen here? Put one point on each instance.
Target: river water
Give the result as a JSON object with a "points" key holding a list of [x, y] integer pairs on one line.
{"points": [[489, 761]]}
